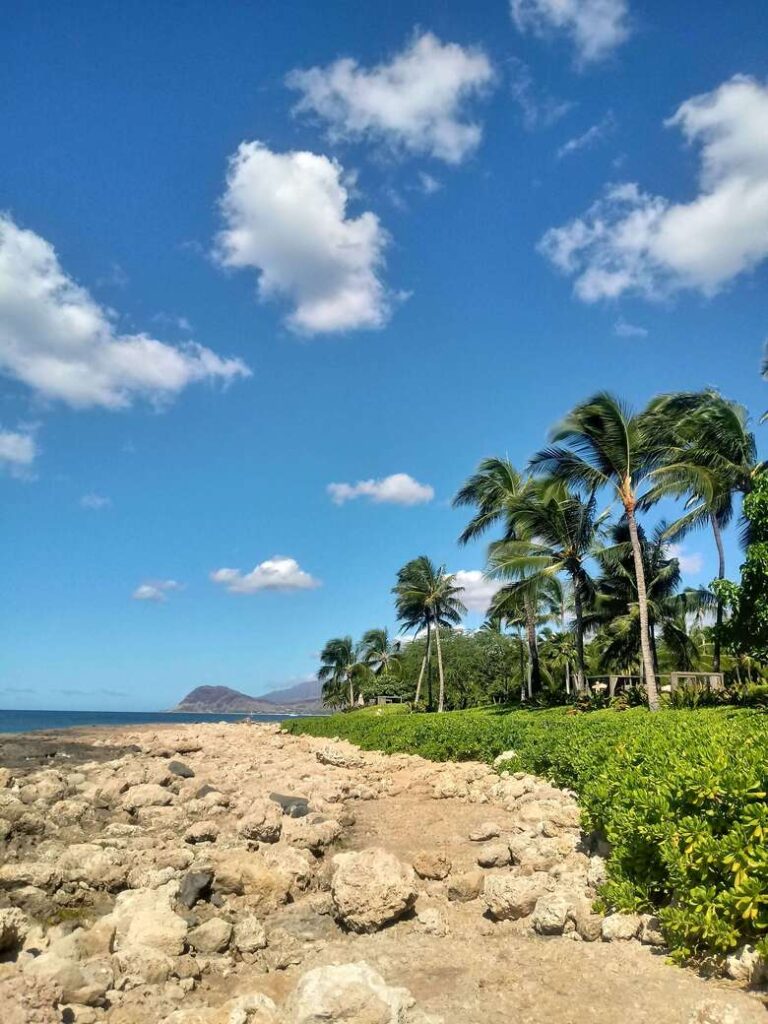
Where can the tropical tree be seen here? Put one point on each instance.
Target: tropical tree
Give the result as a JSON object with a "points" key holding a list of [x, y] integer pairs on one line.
{"points": [[558, 648], [379, 652], [427, 597], [496, 490], [337, 663], [710, 456], [602, 444], [559, 531]]}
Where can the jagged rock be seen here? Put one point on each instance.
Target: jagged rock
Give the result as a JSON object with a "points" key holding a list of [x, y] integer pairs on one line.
{"points": [[495, 855], [315, 833], [181, 770], [212, 937], [508, 897], [620, 927], [195, 885], [263, 823], [14, 925], [292, 806], [202, 832], [297, 864], [746, 964], [465, 886], [432, 922], [371, 888], [249, 934], [143, 917], [550, 915], [340, 756], [488, 830], [147, 794], [242, 873], [650, 931], [588, 925], [347, 992], [87, 984], [436, 866]]}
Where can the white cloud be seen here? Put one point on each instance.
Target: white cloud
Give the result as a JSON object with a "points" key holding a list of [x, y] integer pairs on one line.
{"points": [[477, 591], [631, 241], [538, 109], [589, 138], [286, 216], [57, 340], [622, 329], [18, 451], [95, 502], [691, 563], [276, 573], [595, 27], [155, 590], [415, 103], [397, 489], [428, 184]]}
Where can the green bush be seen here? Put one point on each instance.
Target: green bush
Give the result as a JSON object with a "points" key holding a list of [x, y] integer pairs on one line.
{"points": [[680, 796]]}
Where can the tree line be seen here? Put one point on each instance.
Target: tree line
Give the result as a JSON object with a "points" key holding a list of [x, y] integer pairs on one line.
{"points": [[581, 590]]}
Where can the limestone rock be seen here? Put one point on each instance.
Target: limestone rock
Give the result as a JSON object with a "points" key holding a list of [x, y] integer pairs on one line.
{"points": [[550, 914], [508, 897], [371, 888], [212, 937], [710, 1012], [746, 964], [143, 917], [650, 931], [347, 992], [494, 855], [488, 830], [465, 886], [26, 999], [263, 823], [340, 756], [14, 926], [431, 865], [242, 873], [620, 927], [202, 832], [147, 794], [249, 935]]}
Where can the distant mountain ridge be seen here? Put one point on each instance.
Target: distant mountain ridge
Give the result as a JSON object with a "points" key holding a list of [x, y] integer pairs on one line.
{"points": [[302, 698]]}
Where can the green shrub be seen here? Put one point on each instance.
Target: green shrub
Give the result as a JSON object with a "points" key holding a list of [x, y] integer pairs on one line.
{"points": [[680, 796]]}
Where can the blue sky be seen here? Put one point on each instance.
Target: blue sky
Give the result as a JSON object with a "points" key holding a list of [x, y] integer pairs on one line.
{"points": [[227, 283]]}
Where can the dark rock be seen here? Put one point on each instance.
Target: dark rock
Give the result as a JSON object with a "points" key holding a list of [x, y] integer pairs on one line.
{"points": [[195, 885], [204, 791], [181, 769], [293, 806]]}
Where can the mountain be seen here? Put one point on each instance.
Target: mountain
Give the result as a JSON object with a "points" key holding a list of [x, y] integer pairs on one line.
{"points": [[303, 698]]}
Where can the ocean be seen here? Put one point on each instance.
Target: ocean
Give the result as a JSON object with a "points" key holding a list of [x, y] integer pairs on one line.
{"points": [[33, 721]]}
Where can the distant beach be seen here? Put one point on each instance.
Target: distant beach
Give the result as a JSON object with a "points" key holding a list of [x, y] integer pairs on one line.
{"points": [[36, 721]]}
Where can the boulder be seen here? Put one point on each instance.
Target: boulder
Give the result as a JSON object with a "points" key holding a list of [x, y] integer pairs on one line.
{"points": [[488, 830], [249, 934], [466, 886], [212, 937], [86, 984], [550, 915], [650, 931], [371, 888], [494, 855], [263, 823], [181, 770], [746, 964], [239, 872], [143, 917], [587, 924], [292, 806], [147, 794], [428, 864], [14, 925], [315, 833], [26, 999], [347, 992], [340, 756], [508, 897], [202, 832], [620, 927]]}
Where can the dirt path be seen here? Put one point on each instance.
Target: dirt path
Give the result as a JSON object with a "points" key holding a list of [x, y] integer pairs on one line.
{"points": [[83, 833]]}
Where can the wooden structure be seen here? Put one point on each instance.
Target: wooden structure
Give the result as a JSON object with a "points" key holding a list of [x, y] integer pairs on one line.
{"points": [[712, 682]]}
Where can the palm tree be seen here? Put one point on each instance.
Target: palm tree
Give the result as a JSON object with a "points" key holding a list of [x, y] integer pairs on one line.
{"points": [[601, 443], [426, 597], [560, 530], [710, 456], [496, 490], [559, 649], [379, 652], [337, 661]]}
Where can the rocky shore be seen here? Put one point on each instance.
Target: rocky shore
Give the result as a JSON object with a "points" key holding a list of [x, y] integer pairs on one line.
{"points": [[231, 874]]}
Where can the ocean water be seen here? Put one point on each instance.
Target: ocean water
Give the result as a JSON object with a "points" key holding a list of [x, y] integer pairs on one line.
{"points": [[33, 721]]}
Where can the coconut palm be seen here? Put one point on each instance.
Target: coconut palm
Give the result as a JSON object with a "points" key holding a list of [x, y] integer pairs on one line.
{"points": [[427, 597], [496, 490], [337, 661], [559, 649], [560, 530], [602, 444], [710, 456], [379, 652]]}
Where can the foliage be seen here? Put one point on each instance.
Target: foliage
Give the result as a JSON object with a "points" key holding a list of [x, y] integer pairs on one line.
{"points": [[679, 795]]}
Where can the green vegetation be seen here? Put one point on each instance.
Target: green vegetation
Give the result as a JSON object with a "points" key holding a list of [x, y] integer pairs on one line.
{"points": [[681, 797]]}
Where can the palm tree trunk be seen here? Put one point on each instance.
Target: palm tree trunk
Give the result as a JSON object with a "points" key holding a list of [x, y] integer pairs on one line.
{"points": [[642, 601], [351, 691], [533, 648], [581, 671], [424, 661], [720, 576], [567, 676], [441, 694]]}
